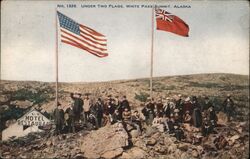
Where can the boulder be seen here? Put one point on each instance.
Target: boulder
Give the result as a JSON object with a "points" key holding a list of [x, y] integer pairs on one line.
{"points": [[156, 135], [126, 155], [102, 141], [183, 146], [160, 149], [172, 148], [129, 127], [140, 144], [112, 153], [150, 131], [134, 133], [169, 140], [135, 153], [195, 154], [151, 142]]}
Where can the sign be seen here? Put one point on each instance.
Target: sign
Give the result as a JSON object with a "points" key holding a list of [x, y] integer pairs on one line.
{"points": [[33, 118]]}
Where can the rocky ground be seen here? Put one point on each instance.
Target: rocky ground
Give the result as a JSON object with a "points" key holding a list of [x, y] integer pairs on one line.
{"points": [[113, 141]]}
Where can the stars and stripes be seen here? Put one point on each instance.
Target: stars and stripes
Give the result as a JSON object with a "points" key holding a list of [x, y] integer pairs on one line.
{"points": [[81, 36]]}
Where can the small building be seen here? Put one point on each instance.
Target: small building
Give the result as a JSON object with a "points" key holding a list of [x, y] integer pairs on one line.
{"points": [[32, 121]]}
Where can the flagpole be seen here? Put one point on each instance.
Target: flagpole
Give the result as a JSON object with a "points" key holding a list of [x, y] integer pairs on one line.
{"points": [[152, 55], [56, 61]]}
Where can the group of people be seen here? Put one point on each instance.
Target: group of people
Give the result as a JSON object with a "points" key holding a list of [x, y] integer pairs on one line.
{"points": [[86, 111], [167, 115]]}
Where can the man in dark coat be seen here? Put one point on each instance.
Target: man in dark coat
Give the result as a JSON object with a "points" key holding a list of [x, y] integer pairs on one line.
{"points": [[70, 118], [187, 106], [207, 104], [166, 108], [170, 125], [179, 103], [148, 112], [212, 117], [196, 116], [77, 105], [111, 107], [169, 107], [98, 107], [117, 102], [228, 106], [159, 108], [125, 103], [59, 119], [178, 132]]}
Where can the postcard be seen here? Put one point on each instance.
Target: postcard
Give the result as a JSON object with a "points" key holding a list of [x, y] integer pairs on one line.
{"points": [[124, 79]]}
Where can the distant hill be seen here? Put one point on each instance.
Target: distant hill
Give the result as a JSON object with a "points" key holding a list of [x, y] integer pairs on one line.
{"points": [[25, 94]]}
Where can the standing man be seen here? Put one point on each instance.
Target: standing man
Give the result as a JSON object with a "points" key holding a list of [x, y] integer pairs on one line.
{"points": [[77, 105], [99, 112], [86, 107], [70, 121], [59, 119], [206, 105], [228, 105], [179, 104], [196, 116], [117, 102], [159, 107]]}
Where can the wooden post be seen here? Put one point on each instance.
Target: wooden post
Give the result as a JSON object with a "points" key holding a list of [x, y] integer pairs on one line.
{"points": [[56, 61], [152, 55]]}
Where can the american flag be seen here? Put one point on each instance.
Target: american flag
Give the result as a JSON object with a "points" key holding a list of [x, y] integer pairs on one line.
{"points": [[81, 36]]}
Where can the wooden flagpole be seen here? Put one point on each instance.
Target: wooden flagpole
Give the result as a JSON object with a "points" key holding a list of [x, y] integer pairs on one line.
{"points": [[56, 61], [152, 55]]}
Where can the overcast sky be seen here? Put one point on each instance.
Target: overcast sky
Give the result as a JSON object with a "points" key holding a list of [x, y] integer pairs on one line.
{"points": [[218, 41]]}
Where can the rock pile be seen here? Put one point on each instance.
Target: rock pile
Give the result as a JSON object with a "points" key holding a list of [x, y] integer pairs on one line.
{"points": [[113, 141], [106, 142]]}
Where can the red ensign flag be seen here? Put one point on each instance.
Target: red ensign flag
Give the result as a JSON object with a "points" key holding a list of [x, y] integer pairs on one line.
{"points": [[168, 22]]}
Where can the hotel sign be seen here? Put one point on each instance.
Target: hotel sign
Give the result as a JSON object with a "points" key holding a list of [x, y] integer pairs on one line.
{"points": [[33, 118]]}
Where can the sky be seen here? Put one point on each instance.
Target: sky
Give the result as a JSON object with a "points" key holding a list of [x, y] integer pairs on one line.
{"points": [[218, 40]]}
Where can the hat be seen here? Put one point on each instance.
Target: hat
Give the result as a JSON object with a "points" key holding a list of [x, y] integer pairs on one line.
{"points": [[187, 99], [176, 126], [228, 95], [176, 110]]}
